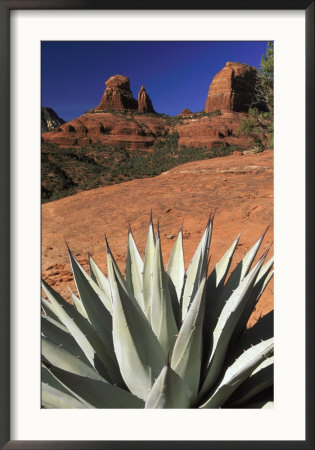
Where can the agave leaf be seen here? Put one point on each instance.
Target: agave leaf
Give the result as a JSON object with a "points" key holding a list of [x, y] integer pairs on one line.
{"points": [[78, 304], [148, 269], [54, 398], [238, 372], [176, 265], [214, 285], [197, 269], [61, 358], [83, 333], [99, 317], [227, 322], [54, 322], [139, 354], [48, 378], [61, 337], [168, 391], [218, 275], [57, 305], [98, 314], [260, 379], [85, 284], [241, 270], [162, 317], [114, 272], [134, 270], [96, 392], [99, 278], [257, 292], [48, 312], [187, 353]]}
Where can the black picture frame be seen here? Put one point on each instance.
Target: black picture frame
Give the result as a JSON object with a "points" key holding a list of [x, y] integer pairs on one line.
{"points": [[5, 7]]}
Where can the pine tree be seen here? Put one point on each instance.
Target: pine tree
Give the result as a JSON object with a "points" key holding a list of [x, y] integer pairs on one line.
{"points": [[264, 85]]}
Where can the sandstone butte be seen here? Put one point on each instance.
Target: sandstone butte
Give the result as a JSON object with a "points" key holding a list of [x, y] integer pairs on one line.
{"points": [[144, 102], [238, 187], [117, 95], [232, 88], [121, 120]]}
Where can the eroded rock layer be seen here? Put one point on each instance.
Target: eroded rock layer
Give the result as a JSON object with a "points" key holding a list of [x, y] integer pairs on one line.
{"points": [[144, 101], [232, 89], [117, 95]]}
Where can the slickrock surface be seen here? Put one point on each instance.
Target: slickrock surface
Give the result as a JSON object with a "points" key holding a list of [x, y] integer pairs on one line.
{"points": [[238, 187], [232, 88]]}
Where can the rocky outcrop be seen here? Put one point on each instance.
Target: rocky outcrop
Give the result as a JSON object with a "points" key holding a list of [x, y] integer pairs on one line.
{"points": [[144, 102], [109, 128], [117, 95], [186, 112], [49, 119], [232, 88]]}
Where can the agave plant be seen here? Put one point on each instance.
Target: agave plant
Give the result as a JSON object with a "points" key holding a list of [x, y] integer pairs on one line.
{"points": [[159, 337]]}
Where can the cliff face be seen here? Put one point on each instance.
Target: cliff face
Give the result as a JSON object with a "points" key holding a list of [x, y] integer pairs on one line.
{"points": [[49, 119], [232, 88]]}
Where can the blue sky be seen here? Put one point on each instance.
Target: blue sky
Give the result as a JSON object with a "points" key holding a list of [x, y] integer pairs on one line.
{"points": [[176, 75]]}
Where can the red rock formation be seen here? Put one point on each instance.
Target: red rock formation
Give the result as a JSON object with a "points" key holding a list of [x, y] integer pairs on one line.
{"points": [[117, 95], [232, 88], [140, 132], [144, 102], [186, 112]]}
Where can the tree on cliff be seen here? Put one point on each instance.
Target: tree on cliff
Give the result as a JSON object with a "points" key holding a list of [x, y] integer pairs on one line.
{"points": [[264, 84]]}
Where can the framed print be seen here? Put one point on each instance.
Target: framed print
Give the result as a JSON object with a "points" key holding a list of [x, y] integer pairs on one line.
{"points": [[203, 130]]}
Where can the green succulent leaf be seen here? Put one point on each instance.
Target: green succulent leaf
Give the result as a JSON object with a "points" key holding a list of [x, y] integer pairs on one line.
{"points": [[99, 316], [227, 322], [261, 282], [99, 278], [197, 269], [59, 334], [168, 391], [59, 357], [176, 266], [241, 270], [218, 275], [54, 398], [214, 285], [148, 269], [96, 392], [83, 332], [238, 372], [48, 311], [134, 270], [162, 316], [107, 349], [138, 351], [187, 354], [48, 378], [259, 380], [78, 304]]}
